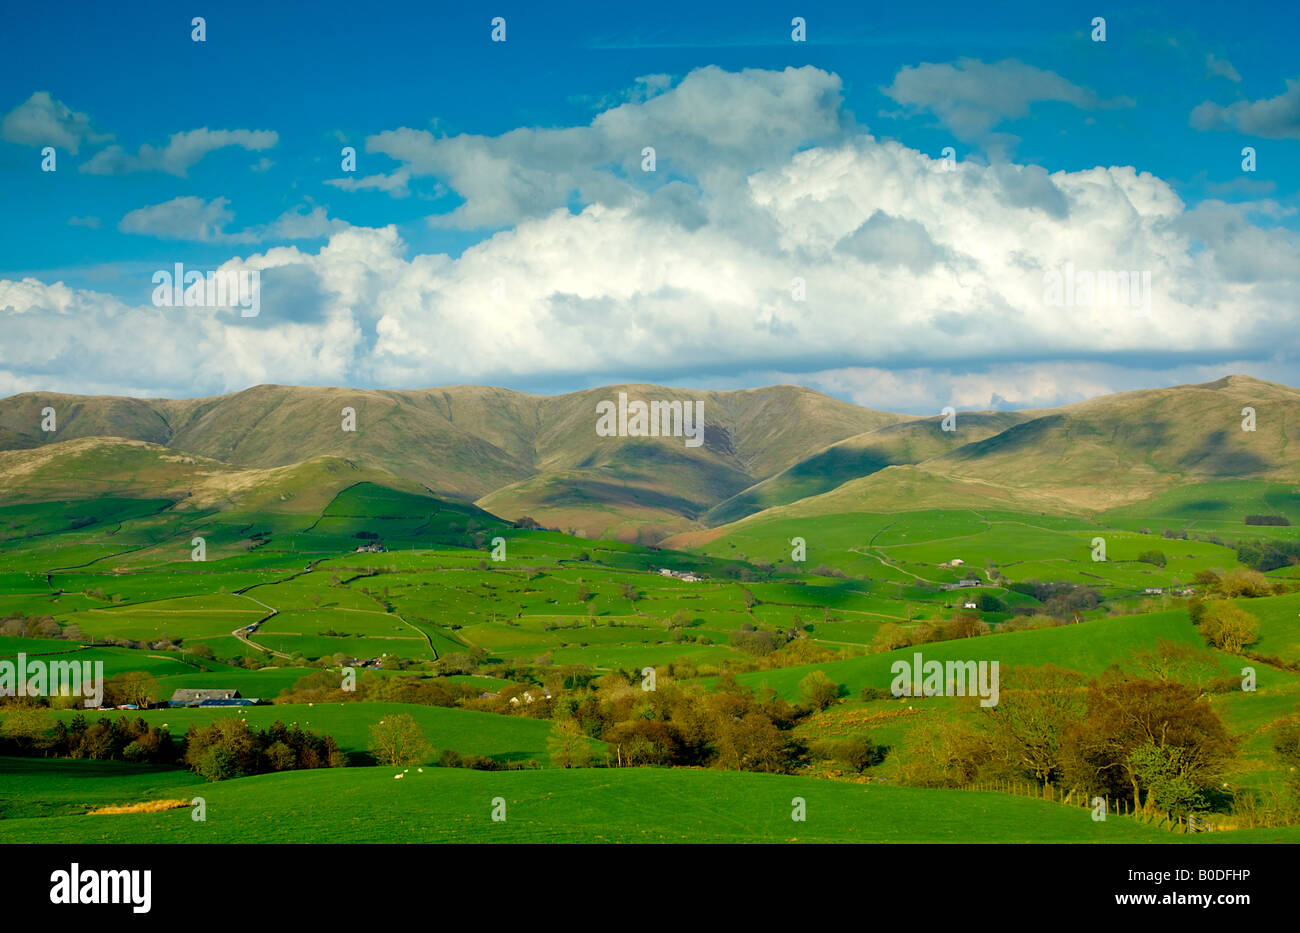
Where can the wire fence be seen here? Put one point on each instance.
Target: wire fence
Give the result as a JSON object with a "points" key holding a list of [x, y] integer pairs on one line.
{"points": [[1116, 806]]}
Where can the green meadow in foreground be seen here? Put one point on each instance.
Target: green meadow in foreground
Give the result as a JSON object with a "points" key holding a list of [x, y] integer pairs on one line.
{"points": [[369, 805]]}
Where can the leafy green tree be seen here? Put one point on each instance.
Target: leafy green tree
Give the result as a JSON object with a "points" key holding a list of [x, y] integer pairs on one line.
{"points": [[1168, 773], [217, 763], [25, 725], [1107, 750], [1229, 628], [859, 753], [398, 740], [135, 688], [568, 745], [818, 691], [987, 602], [889, 636], [1032, 718], [1286, 742], [1154, 557]]}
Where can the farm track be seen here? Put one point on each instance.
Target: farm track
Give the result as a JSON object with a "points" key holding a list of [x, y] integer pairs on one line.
{"points": [[871, 545], [891, 565], [239, 632], [428, 639]]}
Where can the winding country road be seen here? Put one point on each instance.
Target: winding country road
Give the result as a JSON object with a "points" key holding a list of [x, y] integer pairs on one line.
{"points": [[239, 632]]}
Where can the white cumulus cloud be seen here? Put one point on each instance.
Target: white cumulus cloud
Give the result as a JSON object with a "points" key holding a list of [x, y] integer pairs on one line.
{"points": [[41, 120], [181, 153], [908, 270]]}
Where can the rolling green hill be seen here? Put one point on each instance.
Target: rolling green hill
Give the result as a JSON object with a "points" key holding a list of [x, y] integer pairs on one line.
{"points": [[616, 805], [1123, 448], [893, 445], [784, 450], [1088, 647], [1098, 456]]}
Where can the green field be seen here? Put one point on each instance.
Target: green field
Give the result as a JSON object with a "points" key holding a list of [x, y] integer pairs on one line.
{"points": [[366, 805], [282, 596]]}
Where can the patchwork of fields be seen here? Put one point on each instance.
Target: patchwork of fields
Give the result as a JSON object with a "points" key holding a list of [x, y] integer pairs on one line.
{"points": [[425, 588]]}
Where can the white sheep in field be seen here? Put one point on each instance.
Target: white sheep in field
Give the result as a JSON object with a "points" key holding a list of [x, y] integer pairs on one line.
{"points": [[421, 770], [398, 777]]}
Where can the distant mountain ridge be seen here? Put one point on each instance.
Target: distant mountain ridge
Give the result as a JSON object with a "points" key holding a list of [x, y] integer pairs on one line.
{"points": [[783, 448], [471, 442]]}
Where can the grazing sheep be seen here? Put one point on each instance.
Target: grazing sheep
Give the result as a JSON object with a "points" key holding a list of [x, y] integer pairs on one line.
{"points": [[398, 777]]}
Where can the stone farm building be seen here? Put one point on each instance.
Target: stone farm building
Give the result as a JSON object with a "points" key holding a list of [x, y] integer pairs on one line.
{"points": [[684, 575], [210, 697]]}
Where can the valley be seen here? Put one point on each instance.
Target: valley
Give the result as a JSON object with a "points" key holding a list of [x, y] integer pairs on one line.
{"points": [[595, 681]]}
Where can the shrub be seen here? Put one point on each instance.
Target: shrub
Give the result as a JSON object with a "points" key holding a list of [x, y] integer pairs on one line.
{"points": [[859, 753], [1153, 557], [818, 691], [1229, 628]]}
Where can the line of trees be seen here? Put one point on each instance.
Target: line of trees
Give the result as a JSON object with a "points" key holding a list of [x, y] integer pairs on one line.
{"points": [[1143, 736], [21, 625], [229, 748], [1266, 554], [729, 727], [31, 730]]}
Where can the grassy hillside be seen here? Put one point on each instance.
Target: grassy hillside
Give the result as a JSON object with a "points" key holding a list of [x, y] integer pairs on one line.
{"points": [[772, 448], [1122, 448], [97, 467], [909, 442], [619, 805], [1103, 455], [529, 454], [1088, 647]]}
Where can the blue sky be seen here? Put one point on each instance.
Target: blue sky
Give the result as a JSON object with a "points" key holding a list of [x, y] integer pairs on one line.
{"points": [[487, 157]]}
